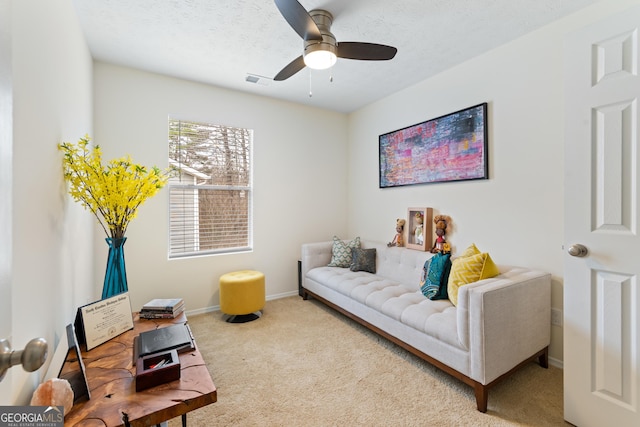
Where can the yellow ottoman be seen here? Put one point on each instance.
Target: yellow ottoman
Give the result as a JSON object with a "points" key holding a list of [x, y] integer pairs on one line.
{"points": [[242, 295]]}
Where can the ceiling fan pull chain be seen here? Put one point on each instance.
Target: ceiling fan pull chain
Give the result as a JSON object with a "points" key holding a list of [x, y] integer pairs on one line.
{"points": [[310, 91], [331, 75]]}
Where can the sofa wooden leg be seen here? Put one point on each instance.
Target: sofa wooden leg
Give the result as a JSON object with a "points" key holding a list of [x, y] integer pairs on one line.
{"points": [[543, 358], [482, 396]]}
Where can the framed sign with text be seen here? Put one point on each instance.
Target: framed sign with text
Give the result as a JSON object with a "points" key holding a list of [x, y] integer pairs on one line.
{"points": [[98, 322]]}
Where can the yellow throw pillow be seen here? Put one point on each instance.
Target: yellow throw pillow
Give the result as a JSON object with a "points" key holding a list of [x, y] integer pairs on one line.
{"points": [[469, 269], [471, 250], [490, 269]]}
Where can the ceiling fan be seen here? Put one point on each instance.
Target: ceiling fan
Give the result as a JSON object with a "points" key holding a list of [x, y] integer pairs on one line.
{"points": [[321, 49]]}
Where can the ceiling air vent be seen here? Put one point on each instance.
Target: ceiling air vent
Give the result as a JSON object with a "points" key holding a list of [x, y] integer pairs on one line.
{"points": [[261, 80]]}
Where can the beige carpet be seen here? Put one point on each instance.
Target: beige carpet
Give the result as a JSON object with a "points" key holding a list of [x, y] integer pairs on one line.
{"points": [[303, 364]]}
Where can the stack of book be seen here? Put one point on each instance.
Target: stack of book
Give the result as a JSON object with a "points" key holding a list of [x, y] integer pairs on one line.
{"points": [[162, 308]]}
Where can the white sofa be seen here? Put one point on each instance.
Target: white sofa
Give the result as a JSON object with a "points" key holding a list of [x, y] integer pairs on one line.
{"points": [[498, 325]]}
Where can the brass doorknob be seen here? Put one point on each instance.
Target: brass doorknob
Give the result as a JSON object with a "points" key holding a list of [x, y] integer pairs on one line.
{"points": [[578, 250]]}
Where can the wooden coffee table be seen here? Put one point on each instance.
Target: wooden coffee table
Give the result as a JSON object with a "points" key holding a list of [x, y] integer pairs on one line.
{"points": [[111, 370]]}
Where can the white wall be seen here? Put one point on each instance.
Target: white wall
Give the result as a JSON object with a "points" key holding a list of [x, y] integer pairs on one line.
{"points": [[516, 215], [51, 267], [299, 176], [6, 146]]}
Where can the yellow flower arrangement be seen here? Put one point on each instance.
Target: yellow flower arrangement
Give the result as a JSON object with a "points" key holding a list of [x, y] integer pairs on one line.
{"points": [[113, 192]]}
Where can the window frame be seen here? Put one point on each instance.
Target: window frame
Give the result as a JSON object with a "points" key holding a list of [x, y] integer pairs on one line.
{"points": [[247, 190]]}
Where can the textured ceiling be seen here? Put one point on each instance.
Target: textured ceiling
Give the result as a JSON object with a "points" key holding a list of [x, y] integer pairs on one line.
{"points": [[220, 42]]}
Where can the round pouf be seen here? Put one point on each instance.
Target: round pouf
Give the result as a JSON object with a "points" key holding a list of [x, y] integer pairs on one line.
{"points": [[242, 295]]}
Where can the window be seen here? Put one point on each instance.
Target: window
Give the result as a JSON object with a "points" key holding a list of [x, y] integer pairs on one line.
{"points": [[210, 194]]}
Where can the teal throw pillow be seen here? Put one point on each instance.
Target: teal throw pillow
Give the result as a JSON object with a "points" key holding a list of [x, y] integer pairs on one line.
{"points": [[341, 252], [435, 276], [425, 272]]}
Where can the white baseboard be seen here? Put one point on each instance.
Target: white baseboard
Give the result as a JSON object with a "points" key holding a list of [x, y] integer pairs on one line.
{"points": [[217, 307], [202, 310], [556, 362], [282, 295]]}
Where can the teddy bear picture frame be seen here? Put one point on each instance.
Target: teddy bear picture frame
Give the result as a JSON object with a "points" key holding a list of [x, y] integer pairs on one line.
{"points": [[419, 228]]}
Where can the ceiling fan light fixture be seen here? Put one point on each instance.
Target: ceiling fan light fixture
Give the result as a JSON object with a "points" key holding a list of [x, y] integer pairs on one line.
{"points": [[320, 56], [320, 46]]}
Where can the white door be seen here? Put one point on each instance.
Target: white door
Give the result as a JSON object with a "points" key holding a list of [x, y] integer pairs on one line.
{"points": [[602, 212]]}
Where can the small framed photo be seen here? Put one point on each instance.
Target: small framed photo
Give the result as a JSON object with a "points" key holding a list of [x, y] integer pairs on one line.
{"points": [[419, 228]]}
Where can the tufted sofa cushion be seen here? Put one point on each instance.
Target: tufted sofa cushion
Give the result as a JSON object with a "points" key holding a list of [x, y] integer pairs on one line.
{"points": [[400, 302], [399, 264]]}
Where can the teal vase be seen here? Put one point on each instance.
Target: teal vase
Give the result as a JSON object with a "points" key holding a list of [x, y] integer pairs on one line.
{"points": [[115, 278]]}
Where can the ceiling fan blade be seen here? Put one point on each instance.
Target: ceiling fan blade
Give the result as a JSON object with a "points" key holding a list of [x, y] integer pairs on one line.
{"points": [[366, 51], [292, 68], [299, 19]]}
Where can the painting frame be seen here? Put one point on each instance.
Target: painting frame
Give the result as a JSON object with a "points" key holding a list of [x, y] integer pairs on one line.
{"points": [[449, 148]]}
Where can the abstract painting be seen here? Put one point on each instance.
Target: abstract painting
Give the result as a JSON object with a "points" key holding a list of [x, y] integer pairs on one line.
{"points": [[444, 149]]}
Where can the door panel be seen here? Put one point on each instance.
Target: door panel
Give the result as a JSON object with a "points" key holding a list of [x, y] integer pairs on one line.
{"points": [[602, 345]]}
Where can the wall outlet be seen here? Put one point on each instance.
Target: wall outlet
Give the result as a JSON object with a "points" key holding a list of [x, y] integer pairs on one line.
{"points": [[556, 316]]}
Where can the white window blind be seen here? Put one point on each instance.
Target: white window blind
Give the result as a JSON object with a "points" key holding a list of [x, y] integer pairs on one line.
{"points": [[210, 195]]}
